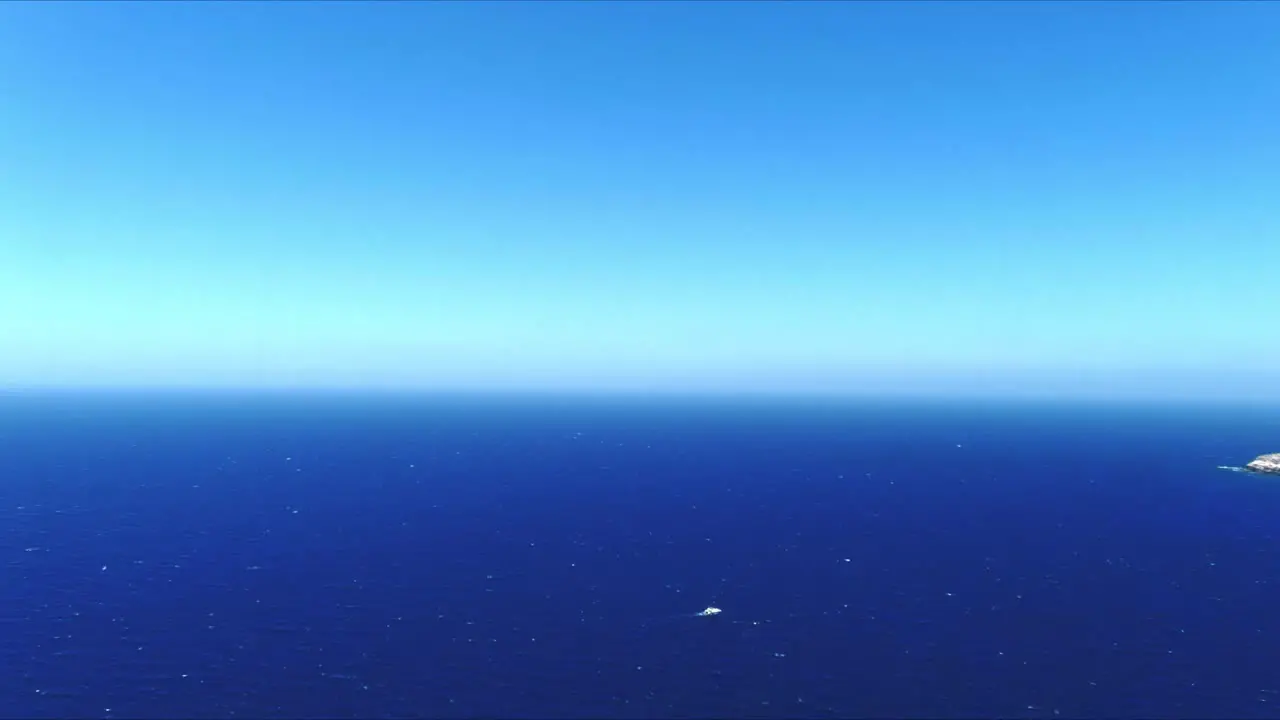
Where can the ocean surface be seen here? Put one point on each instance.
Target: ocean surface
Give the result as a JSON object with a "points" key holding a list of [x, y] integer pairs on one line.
{"points": [[341, 556]]}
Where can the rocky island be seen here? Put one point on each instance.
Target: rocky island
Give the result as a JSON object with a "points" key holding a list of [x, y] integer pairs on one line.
{"points": [[1265, 464]]}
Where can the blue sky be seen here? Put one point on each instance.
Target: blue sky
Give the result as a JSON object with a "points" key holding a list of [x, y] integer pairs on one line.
{"points": [[921, 197]]}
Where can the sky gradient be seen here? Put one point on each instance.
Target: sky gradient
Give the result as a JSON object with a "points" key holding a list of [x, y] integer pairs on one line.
{"points": [[919, 197]]}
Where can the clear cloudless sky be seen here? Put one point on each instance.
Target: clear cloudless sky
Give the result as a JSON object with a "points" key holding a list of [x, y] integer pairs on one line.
{"points": [[934, 197]]}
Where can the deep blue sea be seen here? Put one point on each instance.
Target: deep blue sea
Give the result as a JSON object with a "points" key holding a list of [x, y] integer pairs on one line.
{"points": [[341, 556]]}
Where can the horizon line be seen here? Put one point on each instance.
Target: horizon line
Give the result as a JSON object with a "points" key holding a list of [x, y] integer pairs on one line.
{"points": [[1263, 399]]}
